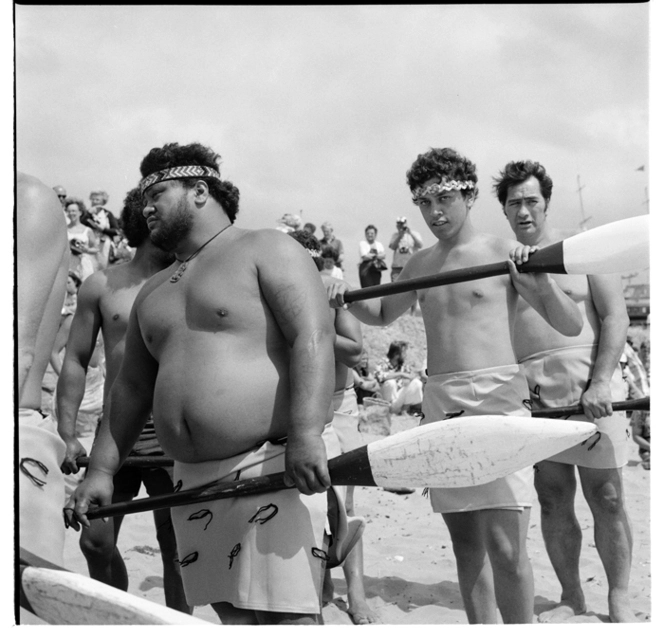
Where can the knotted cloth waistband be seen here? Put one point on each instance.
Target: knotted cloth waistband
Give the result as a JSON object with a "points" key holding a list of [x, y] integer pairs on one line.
{"points": [[177, 172]]}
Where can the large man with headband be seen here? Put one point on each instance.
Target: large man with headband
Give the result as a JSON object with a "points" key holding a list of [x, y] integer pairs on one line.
{"points": [[239, 307], [472, 371], [566, 370]]}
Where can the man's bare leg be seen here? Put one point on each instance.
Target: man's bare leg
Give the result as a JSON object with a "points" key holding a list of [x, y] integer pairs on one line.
{"points": [[506, 534], [358, 609], [556, 486], [603, 490], [473, 566], [99, 546], [173, 588]]}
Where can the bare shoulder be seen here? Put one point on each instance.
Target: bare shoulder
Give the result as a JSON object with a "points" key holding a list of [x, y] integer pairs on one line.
{"points": [[38, 206], [418, 264], [499, 246]]}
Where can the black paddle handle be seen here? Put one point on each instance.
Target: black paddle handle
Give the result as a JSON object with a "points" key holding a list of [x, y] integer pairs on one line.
{"points": [[618, 406], [352, 468], [549, 259]]}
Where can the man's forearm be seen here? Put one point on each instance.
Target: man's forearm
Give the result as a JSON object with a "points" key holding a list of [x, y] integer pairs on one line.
{"points": [[70, 393], [612, 338], [562, 312], [312, 382], [123, 420]]}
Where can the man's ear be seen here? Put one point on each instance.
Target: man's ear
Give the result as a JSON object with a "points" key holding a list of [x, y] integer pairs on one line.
{"points": [[546, 205], [201, 191]]}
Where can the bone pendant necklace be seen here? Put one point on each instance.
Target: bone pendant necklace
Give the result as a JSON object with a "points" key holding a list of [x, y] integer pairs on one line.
{"points": [[183, 266]]}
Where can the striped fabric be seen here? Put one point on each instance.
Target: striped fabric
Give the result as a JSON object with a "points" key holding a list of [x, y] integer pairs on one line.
{"points": [[177, 172]]}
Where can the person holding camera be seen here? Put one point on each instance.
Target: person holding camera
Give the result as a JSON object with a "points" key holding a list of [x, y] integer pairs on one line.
{"points": [[404, 243], [372, 256]]}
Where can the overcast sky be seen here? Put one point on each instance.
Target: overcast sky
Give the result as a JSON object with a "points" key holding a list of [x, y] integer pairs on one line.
{"points": [[323, 109]]}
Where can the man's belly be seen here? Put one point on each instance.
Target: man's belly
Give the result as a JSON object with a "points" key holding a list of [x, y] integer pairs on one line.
{"points": [[217, 409]]}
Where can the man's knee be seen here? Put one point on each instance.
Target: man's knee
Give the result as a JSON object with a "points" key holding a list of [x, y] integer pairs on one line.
{"points": [[98, 543], [555, 489], [606, 497]]}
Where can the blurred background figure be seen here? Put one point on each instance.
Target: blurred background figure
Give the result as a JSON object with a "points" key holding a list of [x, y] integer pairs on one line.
{"points": [[103, 223], [61, 192], [82, 240], [372, 256], [289, 222], [400, 386], [404, 243], [310, 228], [330, 240], [330, 268], [121, 251]]}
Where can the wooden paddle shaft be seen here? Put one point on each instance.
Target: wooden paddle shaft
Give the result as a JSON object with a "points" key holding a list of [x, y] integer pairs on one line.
{"points": [[549, 259], [352, 468]]}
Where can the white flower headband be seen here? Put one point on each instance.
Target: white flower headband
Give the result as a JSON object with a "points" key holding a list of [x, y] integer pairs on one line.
{"points": [[435, 189]]}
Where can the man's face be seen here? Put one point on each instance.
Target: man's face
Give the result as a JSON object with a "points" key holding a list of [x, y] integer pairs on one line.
{"points": [[327, 232], [525, 209], [370, 234], [61, 193], [400, 226], [444, 213], [167, 213]]}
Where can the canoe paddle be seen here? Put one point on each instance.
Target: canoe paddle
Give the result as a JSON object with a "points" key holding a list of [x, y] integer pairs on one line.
{"points": [[613, 248], [548, 413], [618, 406], [456, 452]]}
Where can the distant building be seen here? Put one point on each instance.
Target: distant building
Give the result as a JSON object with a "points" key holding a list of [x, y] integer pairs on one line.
{"points": [[637, 298]]}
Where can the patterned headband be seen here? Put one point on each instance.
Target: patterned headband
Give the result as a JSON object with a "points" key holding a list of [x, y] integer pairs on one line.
{"points": [[177, 172], [445, 185], [314, 253]]}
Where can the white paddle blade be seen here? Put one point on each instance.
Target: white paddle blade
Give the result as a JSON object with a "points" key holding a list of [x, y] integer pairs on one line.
{"points": [[470, 450], [66, 598], [613, 248]]}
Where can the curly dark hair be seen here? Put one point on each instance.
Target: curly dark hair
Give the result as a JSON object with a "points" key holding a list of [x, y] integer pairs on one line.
{"points": [[442, 162], [518, 172], [132, 222], [309, 242], [223, 192]]}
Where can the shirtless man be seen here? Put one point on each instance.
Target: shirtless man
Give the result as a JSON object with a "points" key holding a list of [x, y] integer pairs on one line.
{"points": [[42, 257], [104, 303], [567, 370], [472, 370], [345, 417], [239, 306]]}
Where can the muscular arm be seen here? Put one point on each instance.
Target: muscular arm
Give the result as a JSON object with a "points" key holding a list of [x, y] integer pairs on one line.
{"points": [[295, 294], [375, 312], [348, 339], [545, 296], [126, 411], [607, 296], [71, 384], [60, 343]]}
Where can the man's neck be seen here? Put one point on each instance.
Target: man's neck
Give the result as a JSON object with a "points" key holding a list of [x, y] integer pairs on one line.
{"points": [[149, 260]]}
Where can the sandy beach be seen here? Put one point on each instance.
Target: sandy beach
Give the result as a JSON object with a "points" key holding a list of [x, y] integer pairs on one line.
{"points": [[410, 575]]}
